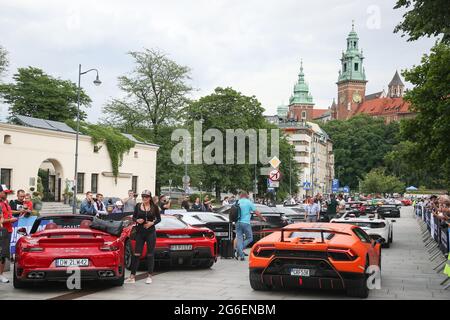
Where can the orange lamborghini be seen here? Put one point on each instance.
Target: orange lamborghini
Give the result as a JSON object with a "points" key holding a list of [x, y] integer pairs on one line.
{"points": [[315, 255]]}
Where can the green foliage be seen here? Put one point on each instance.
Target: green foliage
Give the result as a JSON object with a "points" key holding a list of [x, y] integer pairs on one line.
{"points": [[155, 91], [425, 18], [376, 181], [3, 60], [360, 144], [430, 129], [116, 143], [226, 109], [36, 94]]}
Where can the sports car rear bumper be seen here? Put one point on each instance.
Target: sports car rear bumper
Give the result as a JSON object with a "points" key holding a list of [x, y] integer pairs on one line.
{"points": [[342, 281], [62, 274], [195, 257]]}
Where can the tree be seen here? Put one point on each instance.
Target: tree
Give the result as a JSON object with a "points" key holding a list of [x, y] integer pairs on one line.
{"points": [[156, 90], [376, 181], [37, 94], [426, 18], [226, 109], [360, 144], [3, 60], [430, 99]]}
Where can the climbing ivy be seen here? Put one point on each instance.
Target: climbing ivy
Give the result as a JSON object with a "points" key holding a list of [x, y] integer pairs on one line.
{"points": [[116, 143]]}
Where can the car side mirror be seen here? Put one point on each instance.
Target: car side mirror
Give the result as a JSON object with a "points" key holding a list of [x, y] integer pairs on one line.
{"points": [[393, 220], [22, 231]]}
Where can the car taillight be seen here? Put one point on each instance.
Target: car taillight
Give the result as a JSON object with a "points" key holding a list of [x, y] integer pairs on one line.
{"points": [[209, 235], [32, 249], [342, 254], [264, 251], [109, 247]]}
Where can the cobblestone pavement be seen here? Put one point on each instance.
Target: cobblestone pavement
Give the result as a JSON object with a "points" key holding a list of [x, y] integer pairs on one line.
{"points": [[407, 273]]}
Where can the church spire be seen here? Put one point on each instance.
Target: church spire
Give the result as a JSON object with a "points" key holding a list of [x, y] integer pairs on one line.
{"points": [[301, 90], [352, 60]]}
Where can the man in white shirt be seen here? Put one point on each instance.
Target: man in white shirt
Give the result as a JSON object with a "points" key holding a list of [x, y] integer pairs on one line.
{"points": [[225, 201], [99, 206], [341, 208]]}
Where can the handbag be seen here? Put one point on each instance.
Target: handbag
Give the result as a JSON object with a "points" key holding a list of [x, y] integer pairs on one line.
{"points": [[134, 228]]}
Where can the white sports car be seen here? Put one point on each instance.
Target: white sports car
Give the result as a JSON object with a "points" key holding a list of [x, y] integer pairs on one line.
{"points": [[374, 225]]}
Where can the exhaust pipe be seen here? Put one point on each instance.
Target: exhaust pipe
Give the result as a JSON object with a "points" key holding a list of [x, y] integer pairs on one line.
{"points": [[36, 275], [106, 274]]}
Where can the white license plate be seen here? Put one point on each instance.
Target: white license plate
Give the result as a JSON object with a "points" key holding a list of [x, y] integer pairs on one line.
{"points": [[300, 272], [72, 262], [181, 247], [221, 234]]}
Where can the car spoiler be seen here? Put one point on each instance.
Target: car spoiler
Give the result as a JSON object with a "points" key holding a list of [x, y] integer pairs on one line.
{"points": [[321, 230]]}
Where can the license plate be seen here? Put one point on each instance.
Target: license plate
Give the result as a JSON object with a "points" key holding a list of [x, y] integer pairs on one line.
{"points": [[181, 247], [72, 262], [221, 234], [300, 272]]}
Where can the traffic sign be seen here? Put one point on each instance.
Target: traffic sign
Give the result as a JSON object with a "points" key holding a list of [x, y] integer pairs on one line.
{"points": [[275, 162], [272, 184], [275, 175], [307, 185], [335, 185], [346, 189]]}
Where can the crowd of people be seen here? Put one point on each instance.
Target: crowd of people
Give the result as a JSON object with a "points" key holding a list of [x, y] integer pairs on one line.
{"points": [[439, 206]]}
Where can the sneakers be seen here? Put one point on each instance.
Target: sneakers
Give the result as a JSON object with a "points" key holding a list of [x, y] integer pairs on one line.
{"points": [[242, 258], [130, 280], [149, 280], [3, 279]]}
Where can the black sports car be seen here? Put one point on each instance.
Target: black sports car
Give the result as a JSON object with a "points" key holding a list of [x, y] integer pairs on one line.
{"points": [[388, 211]]}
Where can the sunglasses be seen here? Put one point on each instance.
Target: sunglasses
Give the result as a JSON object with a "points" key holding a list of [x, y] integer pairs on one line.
{"points": [[145, 196]]}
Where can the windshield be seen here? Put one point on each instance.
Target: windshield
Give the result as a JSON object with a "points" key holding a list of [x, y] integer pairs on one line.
{"points": [[69, 222], [170, 223], [369, 225]]}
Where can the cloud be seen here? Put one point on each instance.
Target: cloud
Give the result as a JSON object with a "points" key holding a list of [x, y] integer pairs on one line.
{"points": [[253, 46]]}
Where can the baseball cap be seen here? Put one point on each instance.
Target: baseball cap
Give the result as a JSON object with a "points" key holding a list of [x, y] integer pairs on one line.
{"points": [[146, 193], [4, 188]]}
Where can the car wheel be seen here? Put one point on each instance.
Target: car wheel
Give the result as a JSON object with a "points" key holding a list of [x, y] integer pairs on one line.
{"points": [[119, 282], [128, 255], [363, 291], [17, 283], [387, 244], [208, 264], [256, 284]]}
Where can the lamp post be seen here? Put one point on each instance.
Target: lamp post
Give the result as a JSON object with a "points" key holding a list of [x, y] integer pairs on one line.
{"points": [[97, 82]]}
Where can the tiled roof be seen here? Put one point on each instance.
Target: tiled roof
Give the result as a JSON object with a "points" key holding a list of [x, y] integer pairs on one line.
{"points": [[384, 106], [317, 113]]}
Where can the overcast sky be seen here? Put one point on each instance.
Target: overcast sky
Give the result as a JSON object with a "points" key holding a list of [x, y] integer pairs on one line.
{"points": [[254, 46]]}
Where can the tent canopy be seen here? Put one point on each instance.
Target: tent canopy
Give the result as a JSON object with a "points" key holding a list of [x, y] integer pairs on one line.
{"points": [[411, 188]]}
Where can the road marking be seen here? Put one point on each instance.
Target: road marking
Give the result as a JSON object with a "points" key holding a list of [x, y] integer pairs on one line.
{"points": [[76, 294]]}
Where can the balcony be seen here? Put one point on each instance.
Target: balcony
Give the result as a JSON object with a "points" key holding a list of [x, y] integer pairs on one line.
{"points": [[300, 137], [301, 148], [302, 159]]}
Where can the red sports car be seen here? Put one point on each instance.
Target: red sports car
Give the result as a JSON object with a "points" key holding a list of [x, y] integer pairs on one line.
{"points": [[59, 242], [406, 202], [177, 244]]}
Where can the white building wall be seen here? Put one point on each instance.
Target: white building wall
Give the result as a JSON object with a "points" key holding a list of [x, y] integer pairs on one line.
{"points": [[30, 147]]}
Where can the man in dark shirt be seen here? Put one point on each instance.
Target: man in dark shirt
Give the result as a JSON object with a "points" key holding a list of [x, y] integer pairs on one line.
{"points": [[185, 203], [17, 206], [332, 207]]}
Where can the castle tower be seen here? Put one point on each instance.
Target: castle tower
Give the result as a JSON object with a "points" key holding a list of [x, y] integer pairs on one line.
{"points": [[352, 78], [301, 102], [396, 87]]}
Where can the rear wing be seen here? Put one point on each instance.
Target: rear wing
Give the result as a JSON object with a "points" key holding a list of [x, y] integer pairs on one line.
{"points": [[321, 230]]}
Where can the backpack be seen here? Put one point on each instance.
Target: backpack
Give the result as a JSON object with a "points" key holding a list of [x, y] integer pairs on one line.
{"points": [[235, 212]]}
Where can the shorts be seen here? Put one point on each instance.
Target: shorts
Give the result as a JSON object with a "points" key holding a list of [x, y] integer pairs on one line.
{"points": [[5, 243]]}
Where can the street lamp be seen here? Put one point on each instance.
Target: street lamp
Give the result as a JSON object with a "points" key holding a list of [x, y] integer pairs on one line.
{"points": [[97, 82]]}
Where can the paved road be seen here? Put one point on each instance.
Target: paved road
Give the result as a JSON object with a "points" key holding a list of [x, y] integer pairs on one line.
{"points": [[406, 274]]}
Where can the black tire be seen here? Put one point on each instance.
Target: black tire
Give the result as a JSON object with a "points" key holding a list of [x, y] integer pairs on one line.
{"points": [[256, 284], [128, 254], [119, 282], [391, 238], [17, 283], [387, 244], [363, 291], [207, 264]]}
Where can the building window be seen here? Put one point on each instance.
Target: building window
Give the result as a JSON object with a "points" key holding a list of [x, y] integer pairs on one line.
{"points": [[80, 182], [356, 66], [7, 139], [6, 177], [134, 184], [303, 114], [94, 182], [345, 67], [136, 154]]}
